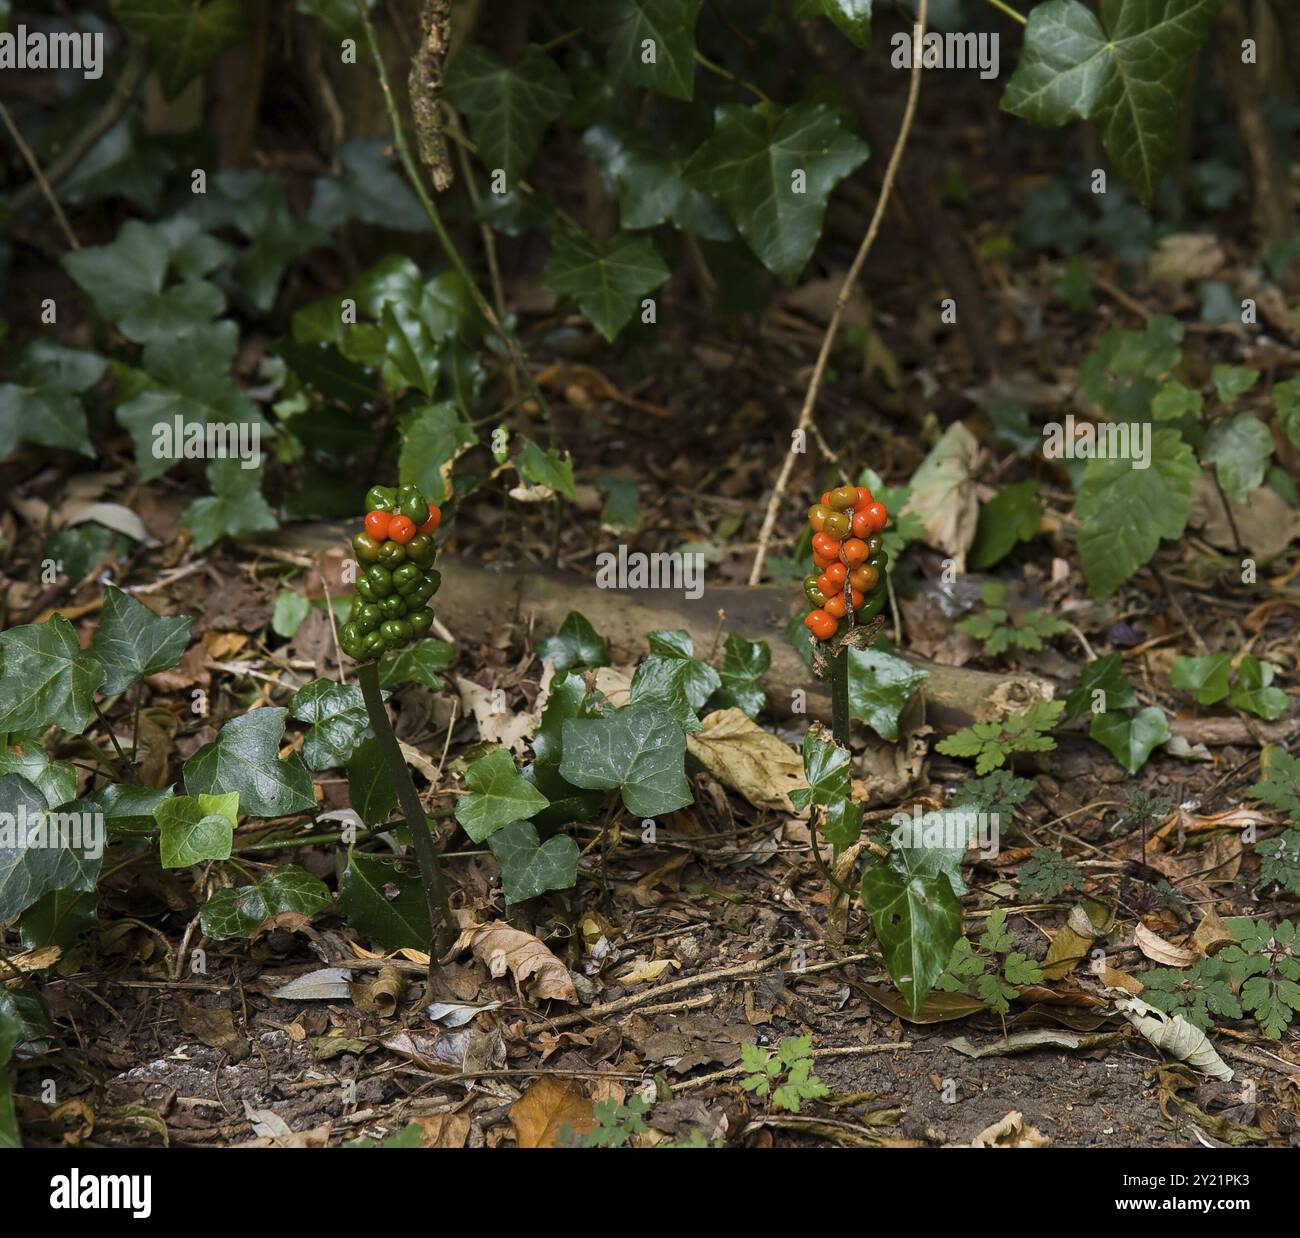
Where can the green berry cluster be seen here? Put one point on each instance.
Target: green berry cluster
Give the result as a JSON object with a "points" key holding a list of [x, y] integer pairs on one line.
{"points": [[396, 577]]}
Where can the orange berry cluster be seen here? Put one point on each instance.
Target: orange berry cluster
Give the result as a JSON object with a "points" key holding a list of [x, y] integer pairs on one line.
{"points": [[850, 557]]}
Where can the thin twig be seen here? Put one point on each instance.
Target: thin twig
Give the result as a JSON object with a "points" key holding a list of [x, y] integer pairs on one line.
{"points": [[841, 302], [35, 166]]}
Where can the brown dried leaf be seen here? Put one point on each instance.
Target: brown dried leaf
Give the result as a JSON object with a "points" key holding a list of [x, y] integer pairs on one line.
{"points": [[503, 948], [751, 761], [542, 1112]]}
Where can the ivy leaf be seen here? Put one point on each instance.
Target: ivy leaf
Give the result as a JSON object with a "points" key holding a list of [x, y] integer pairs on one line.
{"points": [[125, 281], [385, 904], [568, 698], [241, 911], [851, 17], [576, 643], [607, 282], [775, 170], [1011, 516], [235, 506], [132, 641], [1104, 675], [744, 664], [917, 921], [1124, 71], [417, 663], [42, 407], [546, 468], [673, 677], [880, 685], [530, 867], [368, 188], [499, 796], [508, 108], [1131, 740], [338, 722], [30, 865], [193, 830], [1123, 512], [1252, 691], [1205, 677], [1233, 381], [432, 441], [701, 679], [638, 749], [45, 678], [1240, 450], [129, 808], [245, 757], [826, 768], [26, 757], [653, 44], [184, 36], [370, 789]]}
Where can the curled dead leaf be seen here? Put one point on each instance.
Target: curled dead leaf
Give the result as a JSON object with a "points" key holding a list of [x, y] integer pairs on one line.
{"points": [[533, 966], [749, 760]]}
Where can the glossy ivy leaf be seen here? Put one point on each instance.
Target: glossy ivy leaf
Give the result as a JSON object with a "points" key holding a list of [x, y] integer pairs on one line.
{"points": [[638, 750], [241, 911], [414, 354], [1253, 692], [184, 36], [509, 108], [26, 757], [498, 796], [369, 188], [851, 17], [132, 641], [1131, 740], [672, 676], [125, 281], [1231, 382], [1205, 677], [917, 921], [129, 808], [245, 757], [45, 678], [914, 856], [551, 468], [530, 867], [568, 698], [338, 722], [432, 441], [1123, 512], [607, 281], [701, 680], [1240, 450], [42, 407], [38, 854], [775, 170], [826, 767], [370, 788], [576, 644], [1124, 70], [651, 190], [59, 919], [235, 506], [666, 27], [253, 203], [386, 905], [880, 685], [744, 664], [194, 830], [417, 663], [1009, 517], [1105, 676]]}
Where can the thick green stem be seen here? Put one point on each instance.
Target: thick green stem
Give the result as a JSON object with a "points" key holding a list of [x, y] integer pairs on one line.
{"points": [[417, 824], [839, 681]]}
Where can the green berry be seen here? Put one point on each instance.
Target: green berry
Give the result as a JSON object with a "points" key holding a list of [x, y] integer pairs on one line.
{"points": [[420, 549], [394, 606], [420, 621], [381, 580], [367, 549], [395, 632], [392, 554], [381, 499]]}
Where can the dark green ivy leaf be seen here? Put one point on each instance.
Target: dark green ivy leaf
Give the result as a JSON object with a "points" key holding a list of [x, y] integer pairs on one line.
{"points": [[45, 678], [132, 641], [245, 757]]}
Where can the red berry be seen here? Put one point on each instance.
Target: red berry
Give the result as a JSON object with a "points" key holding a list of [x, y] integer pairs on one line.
{"points": [[401, 529], [377, 525]]}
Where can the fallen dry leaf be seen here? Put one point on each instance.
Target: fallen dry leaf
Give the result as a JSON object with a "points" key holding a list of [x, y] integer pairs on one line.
{"points": [[504, 949], [943, 493], [1158, 950], [1010, 1132], [749, 760], [545, 1110], [496, 723]]}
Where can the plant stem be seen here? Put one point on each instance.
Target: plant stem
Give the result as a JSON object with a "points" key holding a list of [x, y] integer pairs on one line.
{"points": [[435, 218], [1009, 11], [417, 823], [839, 680]]}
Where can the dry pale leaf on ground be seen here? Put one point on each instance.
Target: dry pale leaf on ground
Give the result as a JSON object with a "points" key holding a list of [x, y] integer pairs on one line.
{"points": [[503, 949], [751, 761], [542, 1113], [1265, 523], [496, 723], [943, 493], [1158, 950], [1010, 1132], [1186, 257]]}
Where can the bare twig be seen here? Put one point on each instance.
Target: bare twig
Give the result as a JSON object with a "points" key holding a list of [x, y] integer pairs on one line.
{"points": [[40, 177], [841, 302]]}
